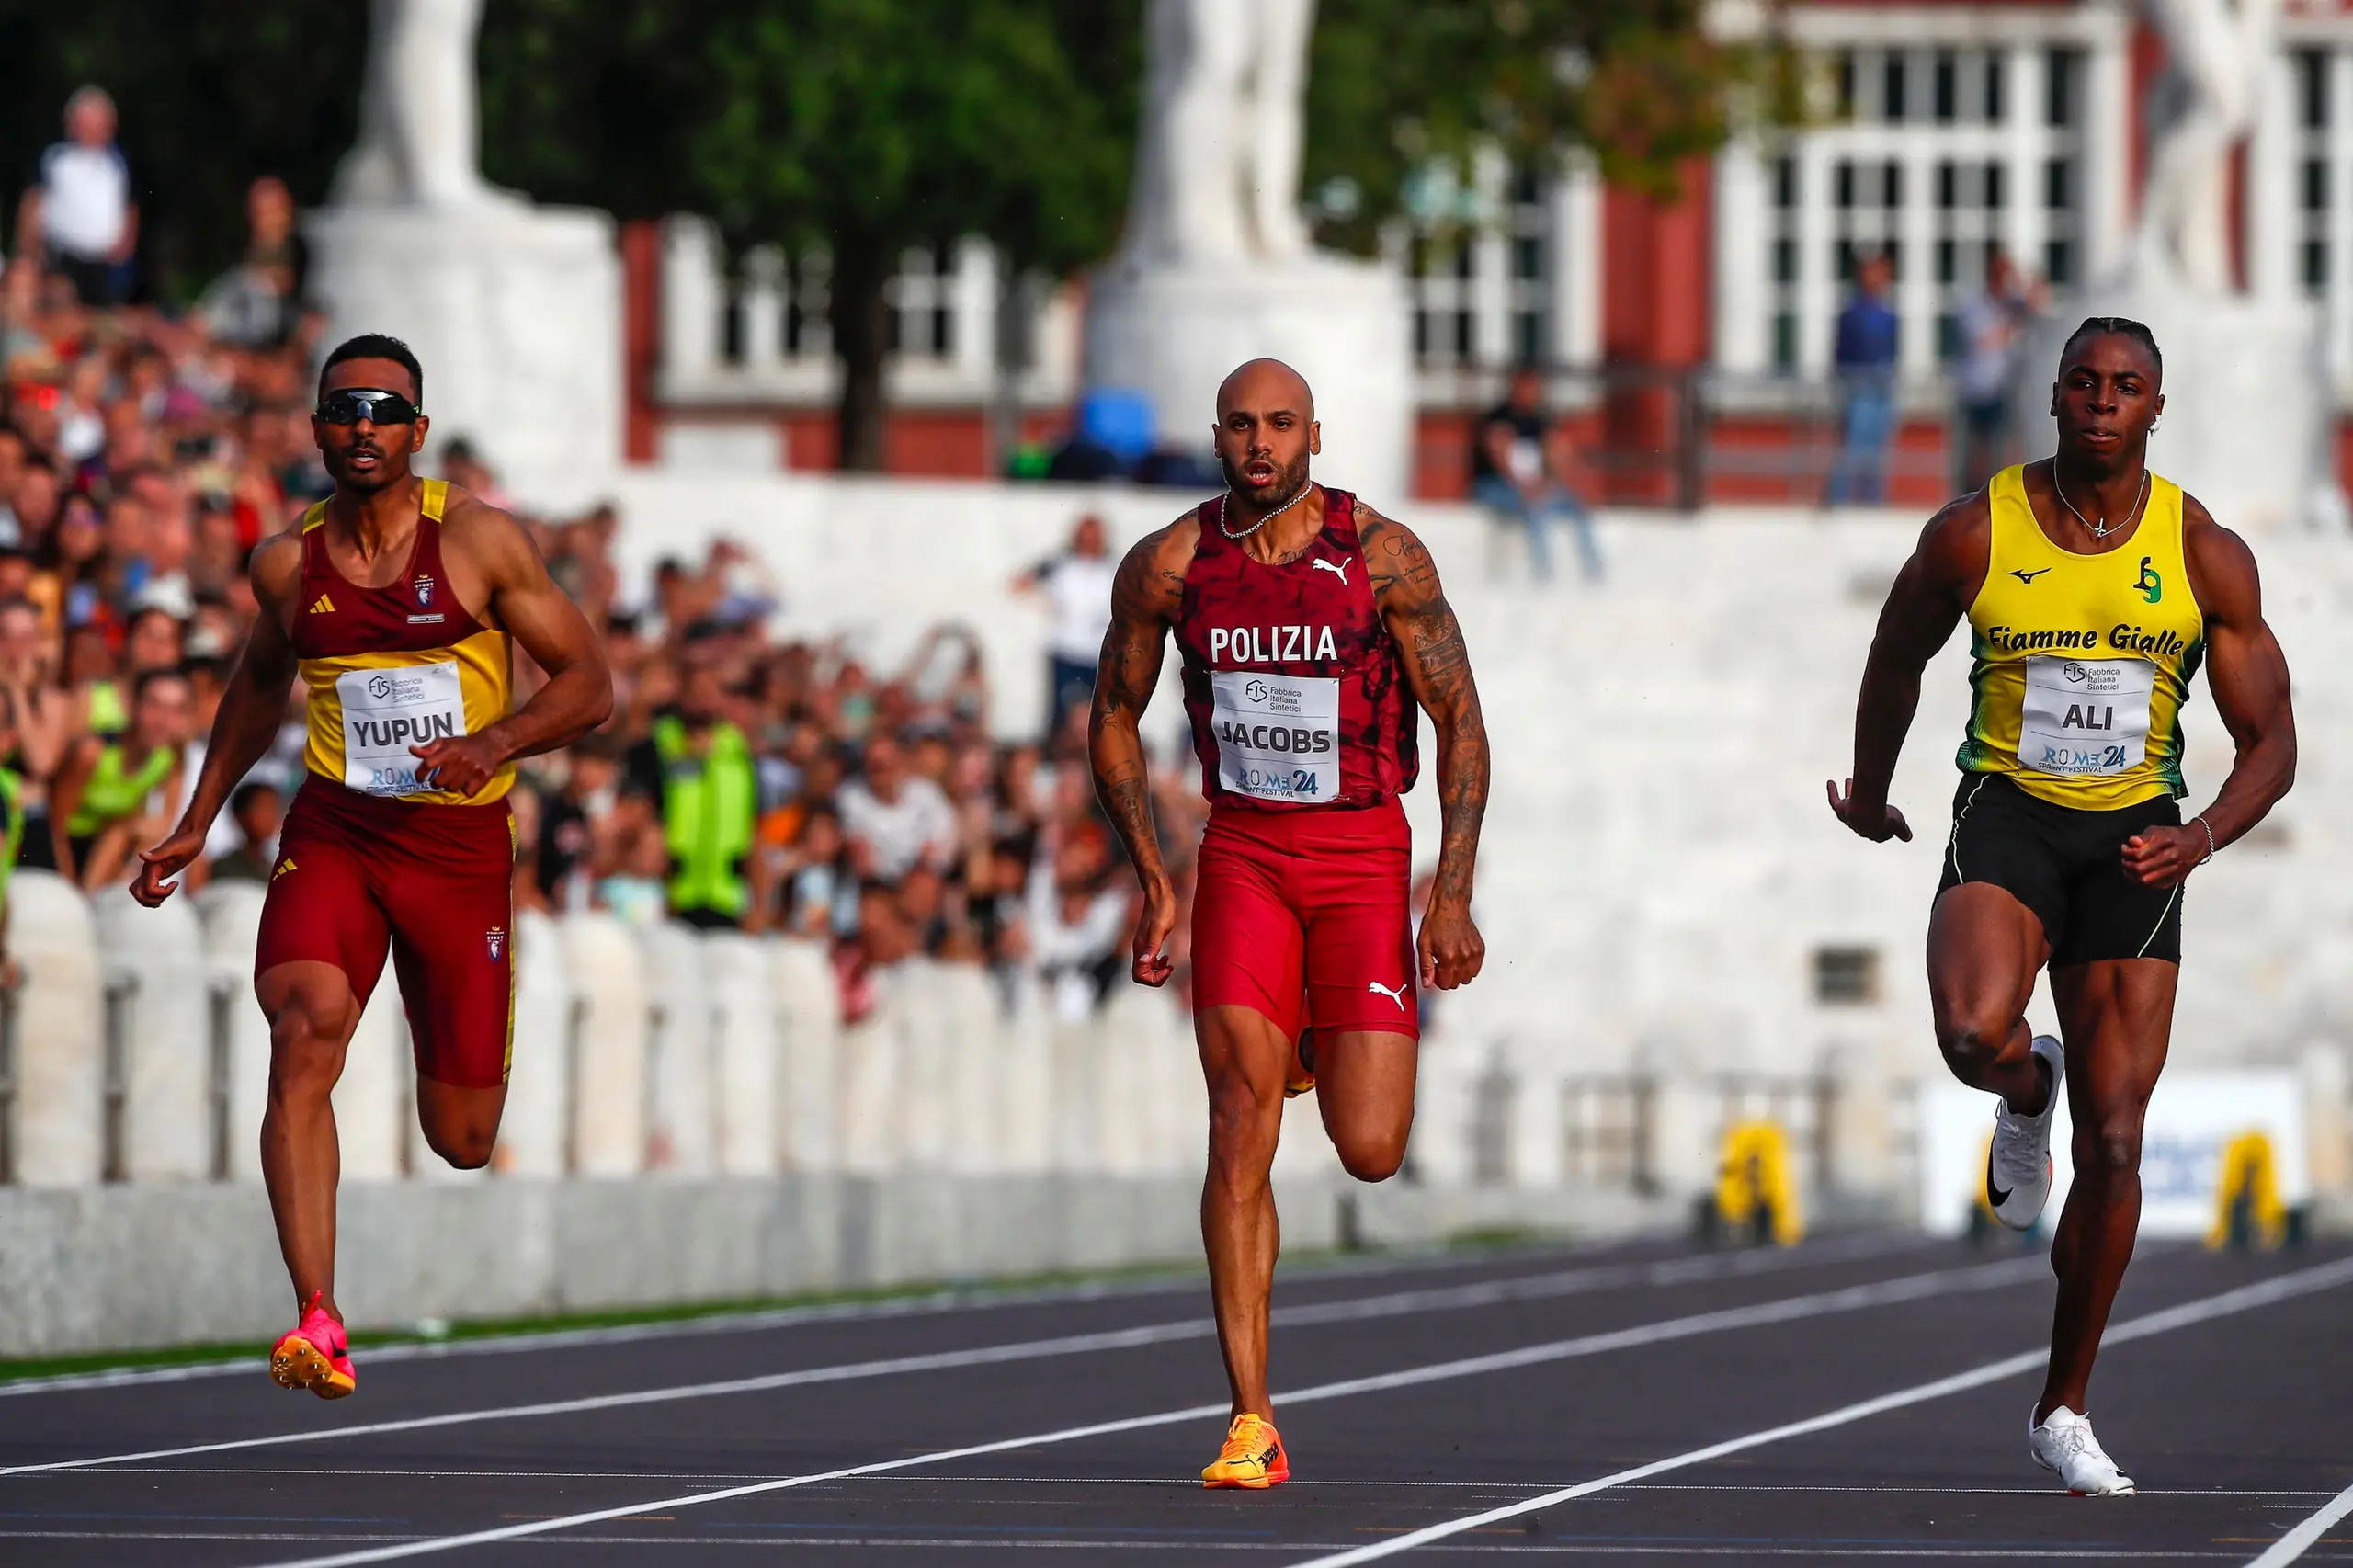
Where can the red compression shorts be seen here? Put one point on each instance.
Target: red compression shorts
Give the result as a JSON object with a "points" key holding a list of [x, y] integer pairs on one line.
{"points": [[1302, 915], [357, 875]]}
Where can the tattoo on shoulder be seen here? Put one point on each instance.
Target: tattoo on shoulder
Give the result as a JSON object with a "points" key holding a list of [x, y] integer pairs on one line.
{"points": [[1403, 576]]}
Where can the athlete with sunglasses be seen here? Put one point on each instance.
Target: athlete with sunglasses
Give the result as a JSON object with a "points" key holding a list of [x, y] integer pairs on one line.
{"points": [[396, 602]]}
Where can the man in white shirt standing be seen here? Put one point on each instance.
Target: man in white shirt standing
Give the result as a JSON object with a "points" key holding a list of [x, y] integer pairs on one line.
{"points": [[1077, 586], [80, 214], [895, 819]]}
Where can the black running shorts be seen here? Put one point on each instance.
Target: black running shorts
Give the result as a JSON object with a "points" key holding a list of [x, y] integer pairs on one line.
{"points": [[2068, 866]]}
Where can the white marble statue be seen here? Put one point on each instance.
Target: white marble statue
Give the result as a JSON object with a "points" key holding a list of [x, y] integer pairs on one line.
{"points": [[419, 135], [2216, 51], [1217, 167]]}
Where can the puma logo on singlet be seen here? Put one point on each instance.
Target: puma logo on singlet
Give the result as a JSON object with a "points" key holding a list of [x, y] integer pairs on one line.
{"points": [[1337, 568], [2028, 578], [323, 606], [1397, 995]]}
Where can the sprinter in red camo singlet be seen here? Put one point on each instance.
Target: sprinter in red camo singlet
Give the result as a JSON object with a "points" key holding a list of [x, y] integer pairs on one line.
{"points": [[396, 603], [1305, 619]]}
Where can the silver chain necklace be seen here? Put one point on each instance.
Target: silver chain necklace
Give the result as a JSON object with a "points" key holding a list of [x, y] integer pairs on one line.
{"points": [[2101, 530], [1225, 506]]}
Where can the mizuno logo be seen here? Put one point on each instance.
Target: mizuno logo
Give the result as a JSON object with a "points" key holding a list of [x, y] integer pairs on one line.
{"points": [[1337, 568], [2028, 578], [1397, 995], [323, 606]]}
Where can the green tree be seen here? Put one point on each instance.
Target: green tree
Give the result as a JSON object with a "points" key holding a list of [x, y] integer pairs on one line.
{"points": [[870, 127], [1636, 83], [866, 128]]}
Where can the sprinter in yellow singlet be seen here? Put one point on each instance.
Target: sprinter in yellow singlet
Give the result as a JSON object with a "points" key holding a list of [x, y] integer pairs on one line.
{"points": [[2094, 591]]}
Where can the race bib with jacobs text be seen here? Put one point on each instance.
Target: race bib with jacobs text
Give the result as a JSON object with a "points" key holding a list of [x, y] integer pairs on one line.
{"points": [[2084, 718], [1277, 737], [387, 711]]}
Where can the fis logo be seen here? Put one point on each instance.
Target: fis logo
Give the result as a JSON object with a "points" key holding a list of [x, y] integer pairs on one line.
{"points": [[424, 587], [2152, 587], [496, 940], [283, 866]]}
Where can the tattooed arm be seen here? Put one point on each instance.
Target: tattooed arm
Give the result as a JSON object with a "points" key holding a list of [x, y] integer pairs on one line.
{"points": [[1437, 666], [1145, 597]]}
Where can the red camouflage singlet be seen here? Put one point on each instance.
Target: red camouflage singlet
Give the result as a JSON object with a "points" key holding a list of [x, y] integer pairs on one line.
{"points": [[1292, 683]]}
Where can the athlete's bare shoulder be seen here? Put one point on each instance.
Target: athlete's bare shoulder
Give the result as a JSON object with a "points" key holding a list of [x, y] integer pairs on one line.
{"points": [[488, 539], [2222, 568], [1398, 564], [1956, 546], [1151, 581], [275, 569]]}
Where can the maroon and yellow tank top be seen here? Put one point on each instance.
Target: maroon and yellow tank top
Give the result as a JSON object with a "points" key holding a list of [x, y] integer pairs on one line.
{"points": [[393, 667], [1294, 685]]}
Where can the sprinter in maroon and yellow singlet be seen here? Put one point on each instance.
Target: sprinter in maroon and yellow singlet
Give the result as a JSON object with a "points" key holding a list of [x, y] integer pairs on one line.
{"points": [[1306, 620], [396, 602]]}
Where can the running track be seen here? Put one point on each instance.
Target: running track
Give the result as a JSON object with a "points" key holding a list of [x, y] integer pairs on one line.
{"points": [[1861, 1397]]}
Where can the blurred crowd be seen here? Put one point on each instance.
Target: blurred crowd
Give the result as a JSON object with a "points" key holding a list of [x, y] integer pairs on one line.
{"points": [[744, 780]]}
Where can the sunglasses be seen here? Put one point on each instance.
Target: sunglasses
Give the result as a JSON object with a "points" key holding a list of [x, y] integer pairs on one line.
{"points": [[354, 404]]}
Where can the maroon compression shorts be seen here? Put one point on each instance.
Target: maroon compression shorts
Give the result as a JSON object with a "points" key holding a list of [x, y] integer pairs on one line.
{"points": [[1302, 916], [357, 875]]}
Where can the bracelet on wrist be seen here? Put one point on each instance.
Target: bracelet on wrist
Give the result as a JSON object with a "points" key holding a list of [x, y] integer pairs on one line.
{"points": [[2200, 819]]}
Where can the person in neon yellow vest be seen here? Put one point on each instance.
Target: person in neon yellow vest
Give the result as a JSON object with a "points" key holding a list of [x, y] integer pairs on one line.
{"points": [[107, 782], [696, 770]]}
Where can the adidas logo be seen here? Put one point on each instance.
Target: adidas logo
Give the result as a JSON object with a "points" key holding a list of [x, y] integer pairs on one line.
{"points": [[323, 606], [283, 866]]}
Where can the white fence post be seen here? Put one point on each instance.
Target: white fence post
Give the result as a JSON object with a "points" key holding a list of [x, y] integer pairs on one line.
{"points": [[536, 1129], [373, 1099], [928, 1082], [871, 1082], [809, 1098], [976, 1069], [680, 1129], [743, 1014], [153, 961], [60, 1045], [608, 1028], [231, 914], [1025, 1101]]}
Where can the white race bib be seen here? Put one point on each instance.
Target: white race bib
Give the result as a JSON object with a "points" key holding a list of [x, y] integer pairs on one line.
{"points": [[387, 711], [2084, 718], [1277, 737]]}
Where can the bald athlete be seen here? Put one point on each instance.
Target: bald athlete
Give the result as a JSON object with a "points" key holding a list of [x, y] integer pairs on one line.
{"points": [[1306, 620]]}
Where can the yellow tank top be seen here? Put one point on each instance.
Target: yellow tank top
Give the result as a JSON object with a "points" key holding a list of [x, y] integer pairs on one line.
{"points": [[2083, 662], [395, 668]]}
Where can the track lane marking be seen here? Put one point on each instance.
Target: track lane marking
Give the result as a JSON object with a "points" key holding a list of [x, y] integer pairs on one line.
{"points": [[2245, 1299], [1852, 1249], [2305, 1536], [1401, 1304], [1904, 1287]]}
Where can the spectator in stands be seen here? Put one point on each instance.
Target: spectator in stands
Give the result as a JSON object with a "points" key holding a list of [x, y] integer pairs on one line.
{"points": [[1991, 322], [259, 811], [1077, 586], [115, 793], [895, 819], [80, 215], [256, 303], [695, 770], [1519, 473], [1864, 358]]}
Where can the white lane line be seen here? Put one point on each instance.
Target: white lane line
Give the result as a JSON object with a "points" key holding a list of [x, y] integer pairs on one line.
{"points": [[924, 1305], [1399, 1304], [2245, 1299], [1907, 1288], [2300, 1540]]}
